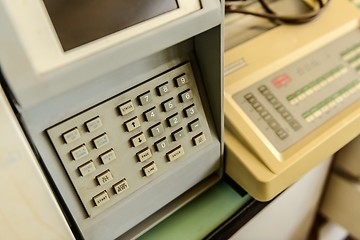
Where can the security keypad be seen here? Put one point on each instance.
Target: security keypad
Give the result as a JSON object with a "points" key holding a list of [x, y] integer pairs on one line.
{"points": [[114, 148]]}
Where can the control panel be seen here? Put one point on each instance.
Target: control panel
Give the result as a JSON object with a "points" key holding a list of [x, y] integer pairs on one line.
{"points": [[111, 150], [291, 103]]}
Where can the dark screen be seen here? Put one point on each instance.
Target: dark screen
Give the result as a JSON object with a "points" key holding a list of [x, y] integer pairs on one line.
{"points": [[78, 22]]}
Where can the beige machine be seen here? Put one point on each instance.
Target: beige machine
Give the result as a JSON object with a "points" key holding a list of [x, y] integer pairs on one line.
{"points": [[292, 99]]}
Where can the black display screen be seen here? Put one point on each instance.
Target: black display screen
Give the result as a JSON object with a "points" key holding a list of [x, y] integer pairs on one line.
{"points": [[78, 22]]}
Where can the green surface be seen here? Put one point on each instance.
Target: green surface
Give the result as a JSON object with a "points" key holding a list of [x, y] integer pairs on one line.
{"points": [[199, 217]]}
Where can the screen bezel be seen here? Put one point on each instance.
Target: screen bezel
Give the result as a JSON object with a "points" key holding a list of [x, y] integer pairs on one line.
{"points": [[43, 48]]}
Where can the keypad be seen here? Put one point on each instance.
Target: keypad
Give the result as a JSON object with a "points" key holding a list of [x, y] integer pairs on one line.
{"points": [[113, 149]]}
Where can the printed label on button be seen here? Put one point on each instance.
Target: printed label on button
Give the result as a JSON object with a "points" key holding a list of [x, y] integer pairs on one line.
{"points": [[175, 154], [126, 108], [72, 135], [144, 155], [101, 141], [87, 168], [150, 169], [132, 124], [199, 139], [108, 157], [138, 140], [104, 178], [121, 186], [101, 199], [94, 124], [79, 152]]}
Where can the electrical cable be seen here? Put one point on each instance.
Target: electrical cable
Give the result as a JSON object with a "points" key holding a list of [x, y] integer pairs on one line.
{"points": [[232, 6]]}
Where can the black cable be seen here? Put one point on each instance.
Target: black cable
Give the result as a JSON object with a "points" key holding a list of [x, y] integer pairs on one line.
{"points": [[233, 7]]}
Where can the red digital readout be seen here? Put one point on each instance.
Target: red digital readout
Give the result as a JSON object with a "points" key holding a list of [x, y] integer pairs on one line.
{"points": [[281, 80]]}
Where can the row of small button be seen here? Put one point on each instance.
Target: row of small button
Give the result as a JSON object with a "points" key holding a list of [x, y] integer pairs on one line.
{"points": [[89, 166], [74, 134], [104, 197], [272, 123], [286, 115], [82, 151]]}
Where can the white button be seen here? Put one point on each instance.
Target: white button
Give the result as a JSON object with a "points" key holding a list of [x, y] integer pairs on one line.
{"points": [[138, 140], [121, 186], [199, 139], [132, 124], [87, 168], [71, 136], [175, 154], [108, 157], [104, 178], [150, 169], [101, 199], [94, 124], [144, 155], [101, 141], [79, 152], [126, 108]]}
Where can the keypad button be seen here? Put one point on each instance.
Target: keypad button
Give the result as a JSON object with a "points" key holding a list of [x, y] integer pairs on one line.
{"points": [[87, 168], [186, 96], [101, 141], [168, 105], [79, 152], [144, 155], [199, 139], [151, 115], [121, 186], [126, 108], [101, 198], [150, 169], [71, 136], [194, 125], [104, 178], [138, 140], [145, 98], [178, 134], [175, 154], [190, 111], [181, 80], [163, 89], [107, 157], [161, 144], [132, 124], [174, 120], [157, 130], [94, 124]]}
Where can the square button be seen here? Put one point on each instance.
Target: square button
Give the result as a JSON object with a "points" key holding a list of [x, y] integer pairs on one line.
{"points": [[79, 152], [181, 80], [190, 111], [163, 89], [121, 186], [138, 140], [144, 155], [194, 125], [178, 134], [104, 178], [101, 198], [101, 141], [150, 169], [94, 124], [157, 130], [161, 144], [186, 96], [108, 156], [175, 154], [145, 98], [151, 114], [169, 104], [199, 139], [126, 108], [87, 168], [132, 124], [174, 120]]}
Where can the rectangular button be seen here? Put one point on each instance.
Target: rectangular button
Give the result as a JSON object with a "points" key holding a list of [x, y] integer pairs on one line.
{"points": [[194, 125], [72, 135], [107, 157], [150, 169], [175, 154], [151, 115], [126, 108], [132, 124], [87, 168], [168, 105], [104, 178], [144, 155], [186, 96], [161, 145], [190, 111], [79, 152], [178, 134], [138, 139], [101, 198], [157, 130], [101, 141], [174, 120], [199, 139], [145, 98], [163, 89], [121, 186], [94, 124], [181, 80]]}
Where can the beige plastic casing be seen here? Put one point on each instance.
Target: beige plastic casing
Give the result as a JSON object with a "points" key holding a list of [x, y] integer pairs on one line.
{"points": [[267, 172]]}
